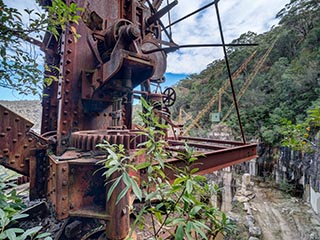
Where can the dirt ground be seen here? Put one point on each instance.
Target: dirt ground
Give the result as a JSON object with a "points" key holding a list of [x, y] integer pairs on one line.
{"points": [[281, 217]]}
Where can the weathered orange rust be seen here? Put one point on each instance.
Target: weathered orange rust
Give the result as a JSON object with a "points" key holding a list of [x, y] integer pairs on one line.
{"points": [[93, 102]]}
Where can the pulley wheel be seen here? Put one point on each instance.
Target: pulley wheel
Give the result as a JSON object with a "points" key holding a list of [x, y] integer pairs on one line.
{"points": [[169, 97]]}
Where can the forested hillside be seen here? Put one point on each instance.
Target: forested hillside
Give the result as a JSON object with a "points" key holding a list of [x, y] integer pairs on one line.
{"points": [[286, 86]]}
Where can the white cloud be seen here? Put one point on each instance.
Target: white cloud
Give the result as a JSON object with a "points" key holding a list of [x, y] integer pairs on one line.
{"points": [[237, 17]]}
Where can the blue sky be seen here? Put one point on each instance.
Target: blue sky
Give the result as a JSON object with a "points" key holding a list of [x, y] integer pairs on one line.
{"points": [[237, 16]]}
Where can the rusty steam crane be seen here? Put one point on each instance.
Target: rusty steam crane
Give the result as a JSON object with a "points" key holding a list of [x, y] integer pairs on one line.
{"points": [[120, 49]]}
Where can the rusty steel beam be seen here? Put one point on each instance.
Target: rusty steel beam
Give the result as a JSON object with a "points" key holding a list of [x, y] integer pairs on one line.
{"points": [[210, 161], [197, 145], [228, 142]]}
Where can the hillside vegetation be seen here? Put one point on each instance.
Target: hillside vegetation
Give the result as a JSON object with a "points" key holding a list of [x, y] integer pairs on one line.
{"points": [[286, 86]]}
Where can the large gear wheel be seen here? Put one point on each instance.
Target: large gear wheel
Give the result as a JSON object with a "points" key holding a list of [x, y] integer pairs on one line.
{"points": [[88, 140]]}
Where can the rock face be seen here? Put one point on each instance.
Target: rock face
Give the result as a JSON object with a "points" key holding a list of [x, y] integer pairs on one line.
{"points": [[30, 110]]}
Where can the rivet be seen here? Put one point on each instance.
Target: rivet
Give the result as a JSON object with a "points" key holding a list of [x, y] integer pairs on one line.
{"points": [[21, 165], [75, 112], [2, 134], [17, 119], [12, 161], [53, 174], [25, 146], [27, 159], [6, 150], [1, 156], [8, 128], [46, 115], [64, 169], [70, 40], [64, 183], [14, 140], [67, 80], [19, 134], [68, 61], [5, 112], [68, 71], [17, 156], [69, 51], [28, 126], [63, 198], [67, 91], [65, 112], [29, 139], [66, 101], [64, 122]]}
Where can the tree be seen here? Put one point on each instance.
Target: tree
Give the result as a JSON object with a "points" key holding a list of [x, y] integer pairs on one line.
{"points": [[21, 65]]}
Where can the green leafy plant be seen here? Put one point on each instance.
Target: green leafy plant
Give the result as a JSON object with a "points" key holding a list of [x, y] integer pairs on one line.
{"points": [[301, 136], [179, 202], [11, 206], [20, 63]]}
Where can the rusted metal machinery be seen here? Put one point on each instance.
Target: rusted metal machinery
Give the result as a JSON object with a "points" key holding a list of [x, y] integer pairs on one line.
{"points": [[119, 50]]}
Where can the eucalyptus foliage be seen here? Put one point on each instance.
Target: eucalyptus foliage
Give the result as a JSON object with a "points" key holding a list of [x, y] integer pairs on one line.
{"points": [[181, 204], [11, 205], [21, 64]]}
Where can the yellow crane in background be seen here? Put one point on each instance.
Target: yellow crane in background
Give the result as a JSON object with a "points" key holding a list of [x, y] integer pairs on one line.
{"points": [[250, 79], [215, 97]]}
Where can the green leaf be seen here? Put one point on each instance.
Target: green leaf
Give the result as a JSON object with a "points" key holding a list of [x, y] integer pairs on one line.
{"points": [[179, 232], [32, 231], [136, 189], [19, 216], [189, 186], [122, 194], [113, 186], [142, 165], [44, 235], [195, 210]]}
